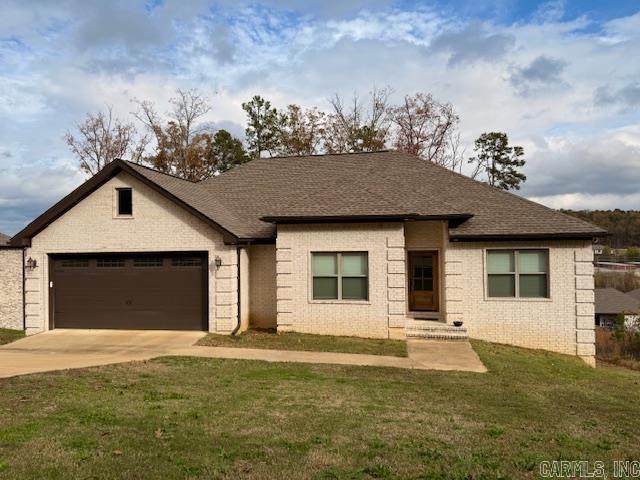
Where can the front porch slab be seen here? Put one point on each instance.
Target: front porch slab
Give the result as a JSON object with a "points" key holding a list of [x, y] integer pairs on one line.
{"points": [[445, 355]]}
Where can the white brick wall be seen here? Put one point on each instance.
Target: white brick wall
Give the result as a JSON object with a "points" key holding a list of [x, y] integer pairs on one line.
{"points": [[262, 279], [157, 225], [564, 323], [296, 311], [11, 300]]}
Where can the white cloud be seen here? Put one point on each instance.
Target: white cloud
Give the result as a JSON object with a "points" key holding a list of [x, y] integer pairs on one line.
{"points": [[586, 201], [60, 60]]}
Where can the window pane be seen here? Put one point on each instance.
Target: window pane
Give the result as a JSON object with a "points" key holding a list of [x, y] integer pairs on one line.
{"points": [[75, 263], [533, 261], [502, 285], [325, 288], [186, 262], [147, 262], [110, 262], [354, 288], [354, 263], [325, 264], [125, 201], [533, 286], [500, 261]]}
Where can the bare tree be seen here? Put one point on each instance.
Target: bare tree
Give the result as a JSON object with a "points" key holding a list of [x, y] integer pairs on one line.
{"points": [[356, 128], [454, 155], [101, 138], [426, 127], [183, 146]]}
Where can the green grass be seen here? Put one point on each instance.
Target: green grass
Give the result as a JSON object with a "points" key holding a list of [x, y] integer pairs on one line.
{"points": [[197, 418], [8, 336], [303, 341]]}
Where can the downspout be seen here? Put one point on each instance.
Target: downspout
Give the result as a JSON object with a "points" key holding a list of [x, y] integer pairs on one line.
{"points": [[24, 291], [239, 323]]}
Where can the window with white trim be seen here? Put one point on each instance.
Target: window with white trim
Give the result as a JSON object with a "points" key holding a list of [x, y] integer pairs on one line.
{"points": [[340, 275], [518, 273]]}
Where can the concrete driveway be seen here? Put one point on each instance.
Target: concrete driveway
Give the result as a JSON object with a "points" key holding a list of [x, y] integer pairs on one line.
{"points": [[62, 349], [66, 349]]}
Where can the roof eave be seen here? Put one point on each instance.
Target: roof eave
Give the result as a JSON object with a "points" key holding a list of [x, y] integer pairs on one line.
{"points": [[456, 218], [527, 236]]}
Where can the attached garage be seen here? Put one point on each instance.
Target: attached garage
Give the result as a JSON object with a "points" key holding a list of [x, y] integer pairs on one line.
{"points": [[151, 291]]}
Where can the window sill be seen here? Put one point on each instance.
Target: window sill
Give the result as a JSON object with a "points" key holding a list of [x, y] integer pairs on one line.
{"points": [[123, 217], [342, 302], [517, 299]]}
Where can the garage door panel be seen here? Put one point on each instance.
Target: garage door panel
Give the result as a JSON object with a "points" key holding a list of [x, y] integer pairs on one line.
{"points": [[132, 292]]}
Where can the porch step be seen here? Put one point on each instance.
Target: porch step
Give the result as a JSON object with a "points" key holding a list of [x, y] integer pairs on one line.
{"points": [[436, 332]]}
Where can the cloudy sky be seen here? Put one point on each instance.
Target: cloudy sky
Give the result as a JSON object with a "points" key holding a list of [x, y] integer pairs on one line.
{"points": [[561, 78]]}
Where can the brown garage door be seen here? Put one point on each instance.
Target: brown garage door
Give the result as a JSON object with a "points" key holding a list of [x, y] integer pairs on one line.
{"points": [[150, 292]]}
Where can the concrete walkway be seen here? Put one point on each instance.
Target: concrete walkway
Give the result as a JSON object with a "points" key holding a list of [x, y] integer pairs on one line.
{"points": [[66, 349], [423, 355]]}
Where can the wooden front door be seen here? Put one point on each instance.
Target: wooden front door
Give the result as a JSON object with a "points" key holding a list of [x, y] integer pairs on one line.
{"points": [[423, 281]]}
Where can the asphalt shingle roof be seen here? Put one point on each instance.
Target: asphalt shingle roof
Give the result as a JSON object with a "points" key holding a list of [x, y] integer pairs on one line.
{"points": [[4, 239], [612, 301], [635, 294], [363, 184], [199, 197]]}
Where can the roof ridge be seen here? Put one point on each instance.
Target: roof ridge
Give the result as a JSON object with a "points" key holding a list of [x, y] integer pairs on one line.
{"points": [[244, 165], [146, 167], [327, 154]]}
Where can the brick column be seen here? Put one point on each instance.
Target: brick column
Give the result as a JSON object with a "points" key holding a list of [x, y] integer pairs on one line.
{"points": [[585, 314], [453, 284], [284, 285], [396, 284], [226, 292]]}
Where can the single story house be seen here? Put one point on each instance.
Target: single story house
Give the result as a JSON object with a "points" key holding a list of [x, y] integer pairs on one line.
{"points": [[611, 302], [378, 244]]}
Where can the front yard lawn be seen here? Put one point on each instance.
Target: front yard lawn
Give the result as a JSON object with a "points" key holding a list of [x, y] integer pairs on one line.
{"points": [[302, 341], [198, 418], [8, 336]]}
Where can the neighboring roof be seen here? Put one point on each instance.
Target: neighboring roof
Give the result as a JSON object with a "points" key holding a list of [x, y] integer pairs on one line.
{"points": [[4, 239], [246, 202], [612, 301], [635, 294], [382, 184]]}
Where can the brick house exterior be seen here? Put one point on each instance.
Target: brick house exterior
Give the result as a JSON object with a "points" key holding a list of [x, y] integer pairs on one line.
{"points": [[11, 296], [325, 244]]}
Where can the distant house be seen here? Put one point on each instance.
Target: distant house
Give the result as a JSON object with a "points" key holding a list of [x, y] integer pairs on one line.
{"points": [[610, 302], [635, 294]]}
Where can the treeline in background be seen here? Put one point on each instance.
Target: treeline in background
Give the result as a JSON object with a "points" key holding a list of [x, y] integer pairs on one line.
{"points": [[622, 225]]}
